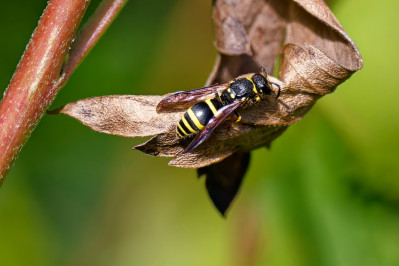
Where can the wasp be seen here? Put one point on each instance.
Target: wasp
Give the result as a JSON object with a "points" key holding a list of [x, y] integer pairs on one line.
{"points": [[208, 107]]}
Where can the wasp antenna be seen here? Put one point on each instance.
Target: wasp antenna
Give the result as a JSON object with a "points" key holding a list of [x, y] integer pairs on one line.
{"points": [[264, 71], [279, 89]]}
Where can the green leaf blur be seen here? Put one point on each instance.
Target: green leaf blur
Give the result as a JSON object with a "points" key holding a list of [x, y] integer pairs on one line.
{"points": [[327, 193]]}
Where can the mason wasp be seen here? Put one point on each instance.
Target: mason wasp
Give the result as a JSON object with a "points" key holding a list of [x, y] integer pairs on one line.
{"points": [[208, 107]]}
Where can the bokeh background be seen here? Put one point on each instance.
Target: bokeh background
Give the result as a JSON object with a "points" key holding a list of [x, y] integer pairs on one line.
{"points": [[327, 193]]}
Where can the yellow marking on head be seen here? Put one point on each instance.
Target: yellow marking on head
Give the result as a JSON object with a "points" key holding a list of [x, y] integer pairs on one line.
{"points": [[228, 90], [257, 99], [232, 95], [182, 130], [195, 119], [188, 125], [210, 104]]}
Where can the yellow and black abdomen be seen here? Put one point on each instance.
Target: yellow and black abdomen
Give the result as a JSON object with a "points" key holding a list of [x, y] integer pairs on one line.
{"points": [[197, 117]]}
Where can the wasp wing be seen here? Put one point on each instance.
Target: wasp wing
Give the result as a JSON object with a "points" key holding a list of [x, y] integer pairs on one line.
{"points": [[182, 100], [219, 117]]}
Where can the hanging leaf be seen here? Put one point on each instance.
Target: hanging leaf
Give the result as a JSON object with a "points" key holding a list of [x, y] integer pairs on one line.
{"points": [[223, 179]]}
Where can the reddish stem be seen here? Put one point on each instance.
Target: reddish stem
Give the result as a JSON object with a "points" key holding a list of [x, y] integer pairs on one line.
{"points": [[90, 33], [37, 78]]}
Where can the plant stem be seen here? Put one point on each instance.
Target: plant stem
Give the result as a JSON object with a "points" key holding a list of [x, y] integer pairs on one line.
{"points": [[37, 78], [90, 33]]}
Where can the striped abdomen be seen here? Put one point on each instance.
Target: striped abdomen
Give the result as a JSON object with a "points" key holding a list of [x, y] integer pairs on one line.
{"points": [[197, 117]]}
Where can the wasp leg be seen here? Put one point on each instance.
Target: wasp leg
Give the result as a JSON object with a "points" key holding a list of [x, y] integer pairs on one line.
{"points": [[238, 117]]}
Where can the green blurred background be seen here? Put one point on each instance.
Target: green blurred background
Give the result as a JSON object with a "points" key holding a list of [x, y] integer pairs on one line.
{"points": [[326, 194]]}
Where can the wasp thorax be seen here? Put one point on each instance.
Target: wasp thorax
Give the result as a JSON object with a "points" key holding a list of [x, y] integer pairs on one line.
{"points": [[242, 87]]}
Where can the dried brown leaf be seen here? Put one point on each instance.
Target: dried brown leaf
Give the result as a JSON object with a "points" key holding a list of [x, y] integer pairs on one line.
{"points": [[121, 115], [316, 56]]}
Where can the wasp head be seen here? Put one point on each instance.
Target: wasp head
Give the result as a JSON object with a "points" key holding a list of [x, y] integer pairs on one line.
{"points": [[261, 84]]}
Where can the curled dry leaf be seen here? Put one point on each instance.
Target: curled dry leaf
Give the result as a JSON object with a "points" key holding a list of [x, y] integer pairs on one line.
{"points": [[121, 115], [316, 56]]}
